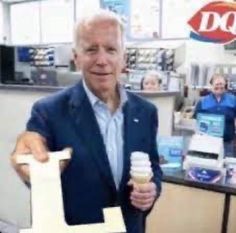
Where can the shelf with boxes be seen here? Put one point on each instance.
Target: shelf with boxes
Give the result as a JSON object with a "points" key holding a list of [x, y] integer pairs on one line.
{"points": [[150, 59], [37, 56], [43, 56], [141, 60]]}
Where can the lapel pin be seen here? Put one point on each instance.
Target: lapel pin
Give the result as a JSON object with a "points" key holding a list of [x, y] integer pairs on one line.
{"points": [[136, 120]]}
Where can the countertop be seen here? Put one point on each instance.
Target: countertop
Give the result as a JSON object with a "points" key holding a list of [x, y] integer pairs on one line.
{"points": [[155, 93], [21, 87], [56, 88], [178, 177]]}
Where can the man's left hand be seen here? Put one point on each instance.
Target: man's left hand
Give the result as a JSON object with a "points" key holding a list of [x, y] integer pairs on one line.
{"points": [[143, 195]]}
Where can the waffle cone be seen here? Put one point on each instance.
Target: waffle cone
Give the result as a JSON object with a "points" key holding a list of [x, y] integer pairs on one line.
{"points": [[141, 179]]}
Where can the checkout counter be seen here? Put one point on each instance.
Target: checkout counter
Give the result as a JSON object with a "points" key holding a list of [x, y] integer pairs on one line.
{"points": [[198, 198], [184, 206], [188, 206]]}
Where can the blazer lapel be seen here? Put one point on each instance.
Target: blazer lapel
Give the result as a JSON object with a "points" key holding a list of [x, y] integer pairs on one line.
{"points": [[89, 132]]}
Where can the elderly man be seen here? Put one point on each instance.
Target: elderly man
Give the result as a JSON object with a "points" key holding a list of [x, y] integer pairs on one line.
{"points": [[102, 124]]}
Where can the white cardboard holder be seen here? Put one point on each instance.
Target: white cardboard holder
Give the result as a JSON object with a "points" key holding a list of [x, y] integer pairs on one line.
{"points": [[47, 204]]}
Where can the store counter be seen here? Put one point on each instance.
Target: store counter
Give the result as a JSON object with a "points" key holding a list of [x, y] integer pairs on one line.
{"points": [[165, 102], [188, 206], [24, 87]]}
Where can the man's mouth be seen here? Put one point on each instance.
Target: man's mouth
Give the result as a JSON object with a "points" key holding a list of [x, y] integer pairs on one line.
{"points": [[100, 73]]}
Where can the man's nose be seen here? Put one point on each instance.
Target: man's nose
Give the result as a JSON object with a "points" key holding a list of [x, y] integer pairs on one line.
{"points": [[102, 58]]}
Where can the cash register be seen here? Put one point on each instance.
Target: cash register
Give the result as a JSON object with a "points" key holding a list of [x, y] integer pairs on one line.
{"points": [[205, 159], [205, 151]]}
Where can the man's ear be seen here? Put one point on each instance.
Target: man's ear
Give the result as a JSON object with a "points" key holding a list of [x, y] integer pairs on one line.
{"points": [[76, 59], [124, 60]]}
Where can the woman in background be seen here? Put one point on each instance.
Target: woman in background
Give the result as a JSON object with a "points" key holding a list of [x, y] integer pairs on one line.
{"points": [[151, 81], [220, 102]]}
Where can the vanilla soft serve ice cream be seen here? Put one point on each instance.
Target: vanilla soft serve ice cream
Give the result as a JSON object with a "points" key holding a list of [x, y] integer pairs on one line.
{"points": [[141, 171]]}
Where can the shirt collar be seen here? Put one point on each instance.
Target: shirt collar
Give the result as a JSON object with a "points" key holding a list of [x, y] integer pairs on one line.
{"points": [[93, 99]]}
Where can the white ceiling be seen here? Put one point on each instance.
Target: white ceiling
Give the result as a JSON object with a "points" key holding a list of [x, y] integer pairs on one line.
{"points": [[12, 1]]}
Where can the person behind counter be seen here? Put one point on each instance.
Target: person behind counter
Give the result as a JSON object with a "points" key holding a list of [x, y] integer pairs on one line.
{"points": [[151, 81], [103, 124], [219, 101]]}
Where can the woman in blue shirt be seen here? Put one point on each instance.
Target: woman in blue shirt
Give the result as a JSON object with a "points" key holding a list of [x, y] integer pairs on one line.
{"points": [[220, 102]]}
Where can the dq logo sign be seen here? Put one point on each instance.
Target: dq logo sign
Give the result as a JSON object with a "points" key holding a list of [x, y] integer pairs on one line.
{"points": [[215, 22]]}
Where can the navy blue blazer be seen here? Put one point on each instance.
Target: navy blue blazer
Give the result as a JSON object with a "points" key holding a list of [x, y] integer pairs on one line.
{"points": [[66, 119]]}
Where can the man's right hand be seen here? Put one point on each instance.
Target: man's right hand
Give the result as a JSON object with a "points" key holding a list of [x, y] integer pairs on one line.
{"points": [[29, 143]]}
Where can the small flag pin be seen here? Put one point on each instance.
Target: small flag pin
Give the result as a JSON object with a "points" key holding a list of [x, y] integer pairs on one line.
{"points": [[136, 120]]}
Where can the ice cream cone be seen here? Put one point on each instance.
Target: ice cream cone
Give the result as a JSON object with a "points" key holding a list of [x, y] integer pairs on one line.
{"points": [[141, 179], [141, 170]]}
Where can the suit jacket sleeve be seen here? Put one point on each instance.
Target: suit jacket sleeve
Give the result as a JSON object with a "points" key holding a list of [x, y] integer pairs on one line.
{"points": [[39, 122], [154, 157]]}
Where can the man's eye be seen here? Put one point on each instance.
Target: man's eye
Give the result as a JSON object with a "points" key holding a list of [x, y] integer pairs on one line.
{"points": [[111, 49], [91, 50]]}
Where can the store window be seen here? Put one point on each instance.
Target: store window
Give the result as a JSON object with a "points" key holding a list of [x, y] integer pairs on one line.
{"points": [[86, 7], [57, 21], [1, 23], [25, 23]]}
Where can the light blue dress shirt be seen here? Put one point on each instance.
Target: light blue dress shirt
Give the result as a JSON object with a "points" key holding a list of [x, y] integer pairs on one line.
{"points": [[111, 128]]}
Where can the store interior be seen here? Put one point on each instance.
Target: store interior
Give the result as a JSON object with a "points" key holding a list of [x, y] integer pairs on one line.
{"points": [[36, 60]]}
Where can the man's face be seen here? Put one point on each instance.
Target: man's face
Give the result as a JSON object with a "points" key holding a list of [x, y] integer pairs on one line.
{"points": [[100, 55], [218, 86]]}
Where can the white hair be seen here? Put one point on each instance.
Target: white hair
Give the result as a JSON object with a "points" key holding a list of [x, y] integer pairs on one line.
{"points": [[100, 15]]}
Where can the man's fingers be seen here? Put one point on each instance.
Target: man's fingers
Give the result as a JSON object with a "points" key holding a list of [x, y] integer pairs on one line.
{"points": [[29, 143], [64, 163], [143, 195], [22, 169], [146, 188], [32, 143], [37, 146], [142, 201], [137, 195], [142, 204], [39, 151], [142, 207]]}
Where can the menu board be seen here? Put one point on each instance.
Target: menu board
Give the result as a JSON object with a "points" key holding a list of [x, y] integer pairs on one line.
{"points": [[117, 6], [144, 19]]}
